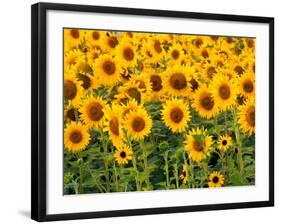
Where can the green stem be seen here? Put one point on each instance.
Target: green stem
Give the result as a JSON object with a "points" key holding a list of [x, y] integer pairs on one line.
{"points": [[146, 170], [81, 179], [177, 173], [167, 170], [116, 177], [225, 122], [238, 139], [106, 171]]}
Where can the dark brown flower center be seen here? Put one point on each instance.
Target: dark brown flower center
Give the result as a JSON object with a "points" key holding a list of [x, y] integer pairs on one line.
{"points": [[250, 116], [156, 82], [125, 75], [109, 67], [134, 93], [95, 111], [74, 33], [175, 54], [157, 46], [215, 180], [138, 124], [250, 43], [198, 146], [75, 136], [198, 42], [224, 142], [114, 126], [128, 54], [211, 71], [96, 35], [248, 86], [224, 91], [240, 99], [123, 154], [194, 84], [112, 42], [70, 90], [207, 101], [176, 115], [71, 114], [178, 81], [184, 173], [205, 53], [86, 81], [239, 69]]}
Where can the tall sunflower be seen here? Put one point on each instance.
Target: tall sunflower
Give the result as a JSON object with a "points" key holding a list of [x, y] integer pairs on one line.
{"points": [[76, 137], [197, 144], [204, 103], [123, 154], [138, 124], [113, 124], [216, 179], [224, 142], [176, 115], [106, 70], [156, 82], [176, 81], [246, 116], [184, 175], [91, 111], [224, 91]]}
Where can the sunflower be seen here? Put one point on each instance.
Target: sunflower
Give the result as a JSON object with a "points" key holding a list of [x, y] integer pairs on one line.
{"points": [[176, 115], [175, 54], [154, 48], [93, 54], [177, 79], [246, 84], [216, 179], [156, 82], [184, 175], [91, 111], [71, 58], [76, 137], [131, 90], [224, 142], [70, 113], [94, 38], [209, 70], [144, 85], [72, 88], [246, 116], [107, 70], [131, 105], [123, 154], [88, 82], [72, 38], [109, 43], [204, 103], [223, 91], [113, 124], [198, 144], [138, 123], [126, 53]]}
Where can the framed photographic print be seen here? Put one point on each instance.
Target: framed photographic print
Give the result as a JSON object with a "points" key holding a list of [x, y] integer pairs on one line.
{"points": [[139, 111]]}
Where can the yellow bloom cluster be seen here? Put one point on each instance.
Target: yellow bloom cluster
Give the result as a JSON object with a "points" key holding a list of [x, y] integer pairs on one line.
{"points": [[110, 77]]}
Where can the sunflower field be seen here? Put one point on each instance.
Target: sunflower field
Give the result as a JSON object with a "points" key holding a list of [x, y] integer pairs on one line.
{"points": [[153, 111]]}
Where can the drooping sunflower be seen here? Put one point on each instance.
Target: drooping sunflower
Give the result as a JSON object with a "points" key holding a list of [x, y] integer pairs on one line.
{"points": [[184, 175], [204, 103], [216, 179], [224, 142], [70, 113], [130, 90], [123, 154], [127, 107], [138, 124], [197, 144], [113, 124], [176, 115], [76, 137], [246, 116], [91, 111], [224, 91], [246, 84], [176, 81], [106, 70], [72, 88], [126, 53]]}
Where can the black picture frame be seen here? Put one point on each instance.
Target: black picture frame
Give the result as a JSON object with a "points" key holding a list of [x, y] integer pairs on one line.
{"points": [[39, 121]]}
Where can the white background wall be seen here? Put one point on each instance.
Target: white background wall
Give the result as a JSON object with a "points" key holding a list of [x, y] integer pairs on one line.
{"points": [[15, 110]]}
